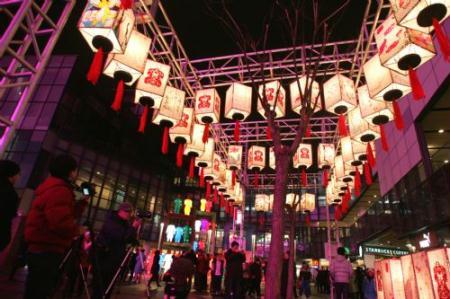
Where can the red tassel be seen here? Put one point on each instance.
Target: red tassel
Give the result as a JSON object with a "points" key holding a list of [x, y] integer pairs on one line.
{"points": [[367, 174], [384, 142], [192, 167], [117, 104], [237, 131], [444, 44], [206, 133], [126, 4], [202, 178], [370, 156], [233, 177], [303, 177], [308, 220], [143, 120], [342, 126], [398, 118], [222, 199], [337, 212], [96, 67], [308, 131], [208, 190], [325, 178], [165, 141], [357, 182], [215, 195], [256, 180], [268, 133], [180, 155], [417, 89]]}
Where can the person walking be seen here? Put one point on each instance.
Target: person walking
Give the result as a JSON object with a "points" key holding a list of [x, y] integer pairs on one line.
{"points": [[154, 270], [51, 226], [9, 200], [116, 233], [201, 271], [139, 266], [217, 267], [369, 288], [341, 271], [182, 270], [256, 277], [305, 280], [234, 272], [285, 276]]}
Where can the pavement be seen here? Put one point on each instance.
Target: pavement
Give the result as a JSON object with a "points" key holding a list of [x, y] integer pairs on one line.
{"points": [[14, 289]]}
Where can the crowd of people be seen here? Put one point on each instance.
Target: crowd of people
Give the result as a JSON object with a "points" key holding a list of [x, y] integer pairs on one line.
{"points": [[56, 242]]}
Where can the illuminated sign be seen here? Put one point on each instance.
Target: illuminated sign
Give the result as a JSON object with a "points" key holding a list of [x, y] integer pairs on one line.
{"points": [[425, 242], [384, 251]]}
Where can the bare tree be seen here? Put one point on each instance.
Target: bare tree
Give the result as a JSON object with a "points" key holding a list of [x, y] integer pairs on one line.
{"points": [[294, 14]]}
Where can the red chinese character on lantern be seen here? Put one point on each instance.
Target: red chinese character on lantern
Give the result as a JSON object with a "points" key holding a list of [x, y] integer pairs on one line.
{"points": [[216, 165], [204, 101], [304, 153], [183, 122], [389, 43], [258, 156], [154, 77], [270, 95]]}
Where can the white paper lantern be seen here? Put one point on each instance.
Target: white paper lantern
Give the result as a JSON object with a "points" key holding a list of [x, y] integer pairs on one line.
{"points": [[205, 159], [293, 199], [353, 152], [238, 101], [308, 202], [220, 174], [377, 112], [256, 157], [104, 25], [207, 106], [182, 131], [272, 161], [383, 83], [340, 171], [360, 129], [261, 202], [339, 94], [303, 156], [400, 48], [195, 146], [419, 14], [171, 109], [272, 90], [228, 180], [130, 65], [234, 156], [325, 155], [296, 96], [151, 85]]}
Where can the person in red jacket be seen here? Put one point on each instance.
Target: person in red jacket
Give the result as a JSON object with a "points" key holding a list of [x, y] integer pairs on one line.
{"points": [[51, 226]]}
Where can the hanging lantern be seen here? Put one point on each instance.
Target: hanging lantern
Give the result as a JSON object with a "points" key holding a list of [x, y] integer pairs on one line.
{"points": [[234, 159], [297, 103], [181, 132], [126, 68], [213, 170], [150, 88], [238, 191], [195, 147], [340, 171], [360, 129], [262, 202], [385, 84], [272, 90], [340, 97], [206, 158], [293, 199], [303, 159], [256, 160], [331, 194], [219, 173], [228, 181], [238, 105], [107, 29], [403, 50], [425, 16], [169, 113], [308, 202], [207, 108], [325, 158], [272, 161], [351, 150]]}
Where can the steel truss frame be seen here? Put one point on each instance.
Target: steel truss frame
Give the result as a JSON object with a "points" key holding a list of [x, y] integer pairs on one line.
{"points": [[28, 40]]}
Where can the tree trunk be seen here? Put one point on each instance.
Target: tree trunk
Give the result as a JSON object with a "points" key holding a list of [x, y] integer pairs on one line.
{"points": [[291, 269], [274, 264]]}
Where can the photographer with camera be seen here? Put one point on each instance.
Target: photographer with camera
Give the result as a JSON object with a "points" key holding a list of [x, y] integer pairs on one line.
{"points": [[118, 231]]}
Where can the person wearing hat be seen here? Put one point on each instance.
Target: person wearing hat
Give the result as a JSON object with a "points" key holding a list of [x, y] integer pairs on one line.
{"points": [[51, 226], [117, 232], [9, 200]]}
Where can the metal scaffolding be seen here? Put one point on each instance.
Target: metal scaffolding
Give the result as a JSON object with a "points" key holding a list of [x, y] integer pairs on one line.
{"points": [[26, 45]]}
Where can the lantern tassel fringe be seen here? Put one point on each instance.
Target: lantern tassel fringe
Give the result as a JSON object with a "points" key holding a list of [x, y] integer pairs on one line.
{"points": [[367, 174], [192, 167], [417, 89], [165, 141], [143, 120], [237, 130], [118, 98], [370, 156], [206, 133], [96, 67], [443, 41], [384, 143], [342, 126], [398, 118], [180, 151]]}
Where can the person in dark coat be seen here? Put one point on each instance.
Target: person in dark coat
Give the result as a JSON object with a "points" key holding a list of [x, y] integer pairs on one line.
{"points": [[256, 277], [51, 226], [285, 276], [217, 269], [182, 270], [9, 201], [234, 271], [201, 271], [116, 233], [154, 270]]}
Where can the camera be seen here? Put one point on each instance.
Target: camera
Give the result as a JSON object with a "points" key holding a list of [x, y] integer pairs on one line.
{"points": [[142, 214], [87, 189]]}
